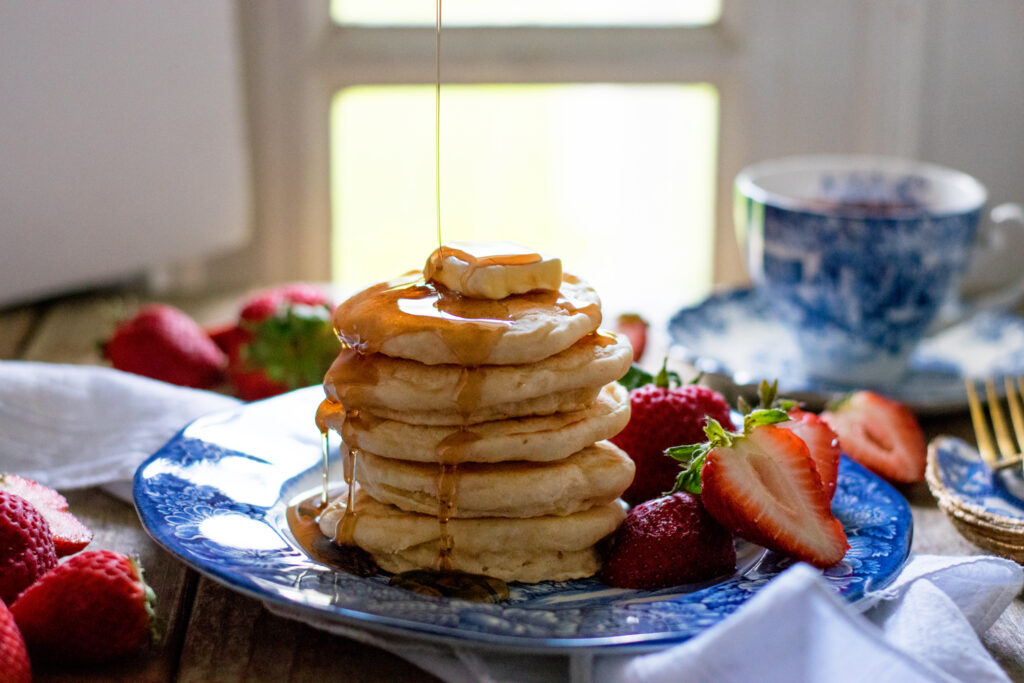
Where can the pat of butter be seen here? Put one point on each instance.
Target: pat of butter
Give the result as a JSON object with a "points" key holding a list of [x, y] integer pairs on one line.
{"points": [[492, 270]]}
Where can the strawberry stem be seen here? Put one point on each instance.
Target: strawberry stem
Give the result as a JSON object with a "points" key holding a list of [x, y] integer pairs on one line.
{"points": [[665, 377]]}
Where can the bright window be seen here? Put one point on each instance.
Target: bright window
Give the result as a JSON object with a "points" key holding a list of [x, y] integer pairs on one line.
{"points": [[528, 12], [618, 180]]}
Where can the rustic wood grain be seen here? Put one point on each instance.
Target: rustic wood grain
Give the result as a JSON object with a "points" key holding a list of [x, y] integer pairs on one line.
{"points": [[233, 638], [15, 326]]}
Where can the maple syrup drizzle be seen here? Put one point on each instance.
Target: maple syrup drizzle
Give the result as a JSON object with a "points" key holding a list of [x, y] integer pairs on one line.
{"points": [[437, 126], [469, 328], [324, 412], [345, 531], [446, 483]]}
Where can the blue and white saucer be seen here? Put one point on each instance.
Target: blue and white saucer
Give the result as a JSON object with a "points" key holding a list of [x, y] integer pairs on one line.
{"points": [[215, 496], [985, 505], [734, 334]]}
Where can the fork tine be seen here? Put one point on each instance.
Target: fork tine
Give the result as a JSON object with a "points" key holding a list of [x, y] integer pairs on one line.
{"points": [[1007, 446], [1016, 412], [981, 432]]}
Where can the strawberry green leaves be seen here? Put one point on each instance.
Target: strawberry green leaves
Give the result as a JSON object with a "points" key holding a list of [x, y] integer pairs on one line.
{"points": [[693, 456], [294, 346]]}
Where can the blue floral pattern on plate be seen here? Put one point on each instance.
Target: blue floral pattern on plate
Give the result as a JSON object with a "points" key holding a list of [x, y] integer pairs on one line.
{"points": [[216, 495], [735, 333], [962, 473]]}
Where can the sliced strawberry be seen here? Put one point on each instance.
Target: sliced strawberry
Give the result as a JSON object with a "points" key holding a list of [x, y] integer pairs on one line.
{"points": [[821, 441], [69, 534], [761, 484], [881, 434]]}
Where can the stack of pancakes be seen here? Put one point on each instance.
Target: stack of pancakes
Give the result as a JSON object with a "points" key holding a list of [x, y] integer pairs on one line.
{"points": [[475, 411]]}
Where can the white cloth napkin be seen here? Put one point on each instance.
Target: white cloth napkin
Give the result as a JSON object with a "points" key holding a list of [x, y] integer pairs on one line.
{"points": [[76, 426], [72, 426], [924, 627]]}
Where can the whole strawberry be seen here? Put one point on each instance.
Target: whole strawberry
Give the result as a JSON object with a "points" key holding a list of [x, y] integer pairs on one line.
{"points": [[14, 663], [668, 541], [664, 416], [284, 340], [91, 608], [634, 327], [164, 343], [69, 534], [26, 546]]}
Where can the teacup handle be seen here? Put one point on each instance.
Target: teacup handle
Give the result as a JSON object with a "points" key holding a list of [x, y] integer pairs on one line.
{"points": [[980, 293], [997, 235]]}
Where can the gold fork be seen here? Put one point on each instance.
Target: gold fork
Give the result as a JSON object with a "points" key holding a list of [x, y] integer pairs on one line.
{"points": [[1009, 452]]}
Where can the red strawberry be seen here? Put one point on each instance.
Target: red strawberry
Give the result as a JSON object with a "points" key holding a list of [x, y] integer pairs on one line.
{"points": [[26, 546], [821, 441], [93, 607], [263, 305], [761, 484], [881, 434], [664, 416], [69, 534], [164, 343], [14, 664], [284, 340], [635, 329], [665, 542]]}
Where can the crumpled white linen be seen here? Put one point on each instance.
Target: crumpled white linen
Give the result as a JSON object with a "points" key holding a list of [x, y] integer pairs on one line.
{"points": [[76, 426], [73, 426], [923, 628]]}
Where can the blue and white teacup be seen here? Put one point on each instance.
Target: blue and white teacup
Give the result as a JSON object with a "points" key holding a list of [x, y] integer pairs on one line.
{"points": [[857, 255]]}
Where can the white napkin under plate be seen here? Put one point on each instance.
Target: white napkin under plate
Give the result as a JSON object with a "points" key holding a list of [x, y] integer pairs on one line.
{"points": [[76, 426], [73, 426]]}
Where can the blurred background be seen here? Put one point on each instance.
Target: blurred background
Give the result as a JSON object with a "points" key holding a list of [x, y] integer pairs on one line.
{"points": [[204, 144]]}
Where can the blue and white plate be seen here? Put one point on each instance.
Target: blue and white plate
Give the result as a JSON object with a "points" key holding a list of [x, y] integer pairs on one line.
{"points": [[956, 471], [734, 333], [215, 496]]}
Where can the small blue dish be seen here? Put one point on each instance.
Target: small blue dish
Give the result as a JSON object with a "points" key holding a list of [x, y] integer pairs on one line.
{"points": [[736, 334], [956, 469], [215, 497]]}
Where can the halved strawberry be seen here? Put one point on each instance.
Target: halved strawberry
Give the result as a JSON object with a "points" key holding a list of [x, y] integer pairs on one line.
{"points": [[69, 534], [822, 442], [881, 434], [761, 484]]}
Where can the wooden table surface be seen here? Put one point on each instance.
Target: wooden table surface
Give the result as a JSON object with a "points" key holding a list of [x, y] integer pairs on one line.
{"points": [[211, 633]]}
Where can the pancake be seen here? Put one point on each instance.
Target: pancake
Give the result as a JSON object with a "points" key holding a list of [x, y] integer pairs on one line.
{"points": [[548, 548], [596, 475], [422, 321], [537, 438], [390, 387]]}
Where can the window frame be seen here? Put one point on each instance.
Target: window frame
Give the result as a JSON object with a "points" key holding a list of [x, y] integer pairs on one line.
{"points": [[805, 76], [298, 58]]}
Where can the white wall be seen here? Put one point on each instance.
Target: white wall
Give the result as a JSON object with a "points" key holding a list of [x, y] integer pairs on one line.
{"points": [[122, 140]]}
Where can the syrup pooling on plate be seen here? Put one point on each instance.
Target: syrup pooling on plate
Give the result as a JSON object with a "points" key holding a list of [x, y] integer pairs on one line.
{"points": [[303, 519]]}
